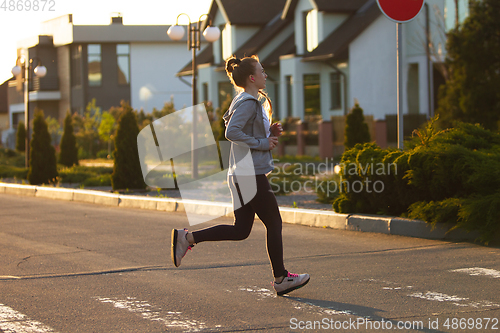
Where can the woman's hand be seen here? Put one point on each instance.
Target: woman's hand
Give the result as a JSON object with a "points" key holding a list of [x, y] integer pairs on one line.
{"points": [[273, 142], [276, 129]]}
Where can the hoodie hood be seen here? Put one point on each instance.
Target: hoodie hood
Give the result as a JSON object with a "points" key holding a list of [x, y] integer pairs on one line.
{"points": [[240, 98]]}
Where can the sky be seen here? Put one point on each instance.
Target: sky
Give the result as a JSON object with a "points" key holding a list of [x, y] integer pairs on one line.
{"points": [[17, 25]]}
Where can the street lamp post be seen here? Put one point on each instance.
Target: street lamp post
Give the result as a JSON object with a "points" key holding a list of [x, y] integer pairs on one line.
{"points": [[40, 71], [211, 34]]}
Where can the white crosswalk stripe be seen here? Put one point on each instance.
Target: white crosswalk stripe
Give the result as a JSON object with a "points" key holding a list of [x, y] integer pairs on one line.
{"points": [[12, 321], [476, 271], [172, 319]]}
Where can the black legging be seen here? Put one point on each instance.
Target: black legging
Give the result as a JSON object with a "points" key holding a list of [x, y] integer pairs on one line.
{"points": [[265, 205]]}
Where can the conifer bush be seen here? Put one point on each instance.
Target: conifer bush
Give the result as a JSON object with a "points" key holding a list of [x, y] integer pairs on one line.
{"points": [[69, 152], [21, 137], [356, 130], [127, 172], [42, 162], [450, 176]]}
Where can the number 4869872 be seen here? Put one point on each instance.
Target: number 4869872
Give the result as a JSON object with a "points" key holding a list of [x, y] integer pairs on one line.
{"points": [[28, 5]]}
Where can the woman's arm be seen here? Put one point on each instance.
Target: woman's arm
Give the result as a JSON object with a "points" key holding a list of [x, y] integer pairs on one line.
{"points": [[234, 129]]}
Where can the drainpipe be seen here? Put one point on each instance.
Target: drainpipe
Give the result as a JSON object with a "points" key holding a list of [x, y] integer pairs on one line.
{"points": [[344, 79]]}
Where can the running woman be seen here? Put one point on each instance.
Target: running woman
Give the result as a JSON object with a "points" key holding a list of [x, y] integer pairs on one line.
{"points": [[248, 124]]}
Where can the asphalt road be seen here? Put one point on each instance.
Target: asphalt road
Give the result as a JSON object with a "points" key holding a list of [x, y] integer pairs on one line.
{"points": [[76, 267]]}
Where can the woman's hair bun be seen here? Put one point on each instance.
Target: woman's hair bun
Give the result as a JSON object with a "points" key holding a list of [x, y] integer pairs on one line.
{"points": [[231, 64]]}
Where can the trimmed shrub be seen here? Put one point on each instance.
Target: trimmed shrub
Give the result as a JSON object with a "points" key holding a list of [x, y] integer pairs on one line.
{"points": [[356, 130], [21, 137], [69, 153], [100, 180], [10, 171], [81, 174], [127, 173], [450, 176], [326, 192], [43, 165], [102, 154]]}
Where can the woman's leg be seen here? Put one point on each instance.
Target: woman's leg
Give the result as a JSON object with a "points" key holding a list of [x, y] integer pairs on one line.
{"points": [[243, 222], [266, 207]]}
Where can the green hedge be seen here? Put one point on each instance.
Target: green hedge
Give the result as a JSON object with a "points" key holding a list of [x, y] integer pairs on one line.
{"points": [[450, 176], [82, 174]]}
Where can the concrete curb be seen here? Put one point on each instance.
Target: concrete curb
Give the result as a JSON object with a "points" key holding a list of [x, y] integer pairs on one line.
{"points": [[308, 217]]}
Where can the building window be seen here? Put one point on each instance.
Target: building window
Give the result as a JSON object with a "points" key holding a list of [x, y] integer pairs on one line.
{"points": [[312, 99], [289, 99], [123, 60], [76, 66], [225, 92], [335, 91], [94, 63]]}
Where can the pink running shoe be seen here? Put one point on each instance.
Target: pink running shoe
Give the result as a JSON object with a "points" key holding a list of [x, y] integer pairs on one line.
{"points": [[180, 245], [290, 283]]}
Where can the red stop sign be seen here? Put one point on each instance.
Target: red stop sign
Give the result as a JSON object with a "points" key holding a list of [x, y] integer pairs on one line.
{"points": [[401, 10]]}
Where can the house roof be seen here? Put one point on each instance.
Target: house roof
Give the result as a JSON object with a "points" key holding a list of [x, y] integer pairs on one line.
{"points": [[336, 45], [206, 56], [340, 6], [251, 47], [287, 47], [329, 6], [240, 12], [262, 37]]}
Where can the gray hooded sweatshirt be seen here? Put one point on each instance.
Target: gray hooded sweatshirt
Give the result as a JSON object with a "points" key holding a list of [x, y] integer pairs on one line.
{"points": [[245, 129]]}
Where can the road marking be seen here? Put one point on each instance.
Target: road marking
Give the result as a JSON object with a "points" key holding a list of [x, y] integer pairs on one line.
{"points": [[458, 301], [154, 313], [300, 304], [330, 311], [440, 297], [260, 292], [476, 271], [12, 321], [432, 295]]}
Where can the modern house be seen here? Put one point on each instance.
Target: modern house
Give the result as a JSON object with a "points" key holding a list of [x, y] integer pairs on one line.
{"points": [[324, 55], [321, 57], [4, 107], [108, 63]]}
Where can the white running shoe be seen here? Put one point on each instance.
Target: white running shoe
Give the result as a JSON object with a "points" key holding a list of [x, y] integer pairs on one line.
{"points": [[290, 283], [180, 245]]}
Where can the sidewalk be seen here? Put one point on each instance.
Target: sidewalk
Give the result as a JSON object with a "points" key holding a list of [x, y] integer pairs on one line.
{"points": [[308, 217]]}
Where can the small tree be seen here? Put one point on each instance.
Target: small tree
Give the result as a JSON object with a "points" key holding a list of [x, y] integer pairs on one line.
{"points": [[107, 128], [69, 153], [86, 128], [54, 130], [42, 166], [21, 137], [356, 130], [471, 94], [127, 168]]}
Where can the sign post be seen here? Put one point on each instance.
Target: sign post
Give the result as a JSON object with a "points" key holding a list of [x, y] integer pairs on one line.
{"points": [[400, 11]]}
